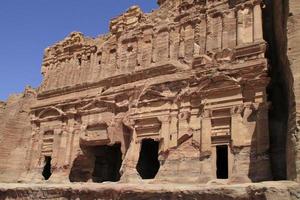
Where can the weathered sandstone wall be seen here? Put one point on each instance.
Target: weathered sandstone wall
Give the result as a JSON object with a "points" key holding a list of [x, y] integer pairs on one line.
{"points": [[15, 133], [294, 61], [282, 32]]}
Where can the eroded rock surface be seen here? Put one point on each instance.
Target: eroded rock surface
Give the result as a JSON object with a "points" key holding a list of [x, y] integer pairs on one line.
{"points": [[89, 191], [15, 134], [294, 61]]}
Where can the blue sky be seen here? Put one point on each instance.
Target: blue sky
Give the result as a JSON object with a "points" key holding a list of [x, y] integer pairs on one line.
{"points": [[27, 27]]}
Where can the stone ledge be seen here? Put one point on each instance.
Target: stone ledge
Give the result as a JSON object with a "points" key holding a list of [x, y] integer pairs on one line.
{"points": [[283, 190]]}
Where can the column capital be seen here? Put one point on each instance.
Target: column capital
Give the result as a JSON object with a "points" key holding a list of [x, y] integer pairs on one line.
{"points": [[195, 111], [207, 113], [163, 119], [184, 115], [236, 110], [257, 2]]}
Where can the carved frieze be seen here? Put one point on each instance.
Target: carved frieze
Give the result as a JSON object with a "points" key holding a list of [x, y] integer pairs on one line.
{"points": [[95, 134]]}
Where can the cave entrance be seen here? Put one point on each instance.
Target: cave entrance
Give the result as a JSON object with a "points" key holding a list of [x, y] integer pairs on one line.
{"points": [[108, 160], [148, 164], [222, 162], [47, 168]]}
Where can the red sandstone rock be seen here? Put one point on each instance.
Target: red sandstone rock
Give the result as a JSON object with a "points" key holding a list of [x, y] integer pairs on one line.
{"points": [[194, 92]]}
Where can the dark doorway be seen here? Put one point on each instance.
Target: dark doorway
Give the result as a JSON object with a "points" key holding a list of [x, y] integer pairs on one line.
{"points": [[47, 168], [222, 162], [148, 164], [108, 160]]}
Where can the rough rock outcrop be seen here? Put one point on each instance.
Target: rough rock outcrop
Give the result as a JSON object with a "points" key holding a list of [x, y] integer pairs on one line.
{"points": [[15, 134], [294, 61], [90, 191]]}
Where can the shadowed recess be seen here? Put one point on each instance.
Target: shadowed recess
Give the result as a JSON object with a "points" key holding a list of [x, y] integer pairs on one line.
{"points": [[148, 164]]}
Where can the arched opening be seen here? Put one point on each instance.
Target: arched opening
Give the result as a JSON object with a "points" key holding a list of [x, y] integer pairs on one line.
{"points": [[49, 113], [148, 164], [97, 163], [47, 168]]}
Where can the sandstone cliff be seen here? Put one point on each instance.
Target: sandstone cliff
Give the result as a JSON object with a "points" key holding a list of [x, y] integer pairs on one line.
{"points": [[15, 134], [294, 111]]}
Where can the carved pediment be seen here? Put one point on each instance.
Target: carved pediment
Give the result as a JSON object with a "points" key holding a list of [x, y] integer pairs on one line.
{"points": [[89, 106], [219, 82], [163, 91], [150, 95], [50, 112], [100, 105]]}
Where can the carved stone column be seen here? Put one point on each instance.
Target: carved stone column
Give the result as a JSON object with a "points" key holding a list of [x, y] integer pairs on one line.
{"points": [[69, 147], [183, 125], [229, 30], [181, 43], [76, 143], [245, 25], [262, 130], [206, 132], [63, 148], [174, 42], [195, 124], [165, 132], [207, 166], [214, 29], [203, 35], [173, 129], [128, 168], [258, 26], [33, 156], [58, 156], [189, 41], [237, 130], [56, 147], [263, 163]]}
